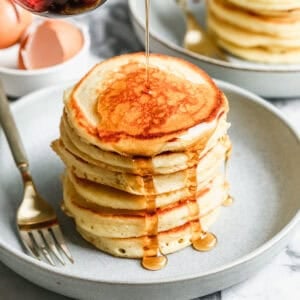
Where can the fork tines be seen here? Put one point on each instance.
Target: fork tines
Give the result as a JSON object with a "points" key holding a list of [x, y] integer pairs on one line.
{"points": [[46, 244]]}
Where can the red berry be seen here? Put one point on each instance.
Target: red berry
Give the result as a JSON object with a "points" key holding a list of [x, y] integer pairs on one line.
{"points": [[36, 5]]}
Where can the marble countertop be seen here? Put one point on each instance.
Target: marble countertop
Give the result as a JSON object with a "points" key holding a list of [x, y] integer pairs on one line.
{"points": [[279, 280]]}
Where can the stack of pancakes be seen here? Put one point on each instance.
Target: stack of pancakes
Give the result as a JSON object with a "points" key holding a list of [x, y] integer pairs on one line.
{"points": [[144, 161], [265, 31]]}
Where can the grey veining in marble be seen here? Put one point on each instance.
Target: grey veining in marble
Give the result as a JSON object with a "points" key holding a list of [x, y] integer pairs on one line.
{"points": [[111, 35]]}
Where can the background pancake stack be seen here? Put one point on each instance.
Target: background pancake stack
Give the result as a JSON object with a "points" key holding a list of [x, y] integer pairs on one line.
{"points": [[144, 161], [265, 31]]}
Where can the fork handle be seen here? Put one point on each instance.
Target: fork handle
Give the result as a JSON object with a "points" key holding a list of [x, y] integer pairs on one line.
{"points": [[11, 132]]}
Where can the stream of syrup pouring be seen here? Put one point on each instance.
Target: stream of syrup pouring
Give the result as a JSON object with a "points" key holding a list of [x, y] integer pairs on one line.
{"points": [[153, 258], [147, 41]]}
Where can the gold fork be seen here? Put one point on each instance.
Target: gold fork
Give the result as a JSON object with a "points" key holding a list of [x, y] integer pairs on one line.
{"points": [[37, 222]]}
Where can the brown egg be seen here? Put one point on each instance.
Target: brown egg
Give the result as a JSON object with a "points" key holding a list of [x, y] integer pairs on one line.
{"points": [[49, 43], [13, 22]]}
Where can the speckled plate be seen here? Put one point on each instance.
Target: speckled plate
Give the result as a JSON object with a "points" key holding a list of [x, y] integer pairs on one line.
{"points": [[264, 174], [167, 28]]}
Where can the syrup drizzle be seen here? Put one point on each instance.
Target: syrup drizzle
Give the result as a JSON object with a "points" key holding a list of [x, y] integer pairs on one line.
{"points": [[201, 241], [147, 41], [142, 166], [152, 257], [228, 201]]}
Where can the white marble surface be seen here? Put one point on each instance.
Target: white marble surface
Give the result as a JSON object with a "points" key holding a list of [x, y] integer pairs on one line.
{"points": [[279, 280]]}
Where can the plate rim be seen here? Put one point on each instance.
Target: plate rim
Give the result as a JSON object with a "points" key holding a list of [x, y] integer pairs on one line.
{"points": [[180, 50], [283, 233]]}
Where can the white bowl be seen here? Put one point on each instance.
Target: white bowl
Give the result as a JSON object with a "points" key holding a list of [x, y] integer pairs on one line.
{"points": [[18, 83]]}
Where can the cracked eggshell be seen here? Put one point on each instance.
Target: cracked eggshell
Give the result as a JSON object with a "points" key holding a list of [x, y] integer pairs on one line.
{"points": [[49, 43]]}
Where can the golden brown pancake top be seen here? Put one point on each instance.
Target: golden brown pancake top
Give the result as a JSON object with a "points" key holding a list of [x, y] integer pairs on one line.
{"points": [[113, 108], [168, 104]]}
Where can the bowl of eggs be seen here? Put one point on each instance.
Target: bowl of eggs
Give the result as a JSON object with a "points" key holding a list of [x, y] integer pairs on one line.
{"points": [[36, 52]]}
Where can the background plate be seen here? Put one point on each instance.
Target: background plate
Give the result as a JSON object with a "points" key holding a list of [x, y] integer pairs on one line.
{"points": [[264, 173], [167, 28]]}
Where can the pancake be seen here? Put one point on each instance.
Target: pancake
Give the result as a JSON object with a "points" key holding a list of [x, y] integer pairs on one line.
{"points": [[113, 198], [105, 222], [135, 184], [248, 39], [258, 54], [144, 161], [288, 27], [164, 163], [112, 107], [265, 38], [168, 241]]}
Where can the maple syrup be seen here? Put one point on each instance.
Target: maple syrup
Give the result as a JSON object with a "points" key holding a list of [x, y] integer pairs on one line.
{"points": [[228, 201], [147, 41], [206, 242], [201, 241], [152, 258], [142, 166], [154, 263]]}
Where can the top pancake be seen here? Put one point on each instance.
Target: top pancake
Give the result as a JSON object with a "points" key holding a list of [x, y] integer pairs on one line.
{"points": [[113, 108]]}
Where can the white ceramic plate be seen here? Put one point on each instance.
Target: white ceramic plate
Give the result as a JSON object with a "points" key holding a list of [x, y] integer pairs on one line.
{"points": [[167, 28], [264, 174]]}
